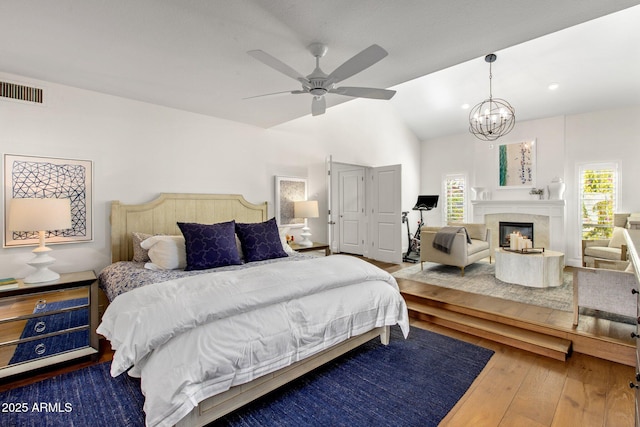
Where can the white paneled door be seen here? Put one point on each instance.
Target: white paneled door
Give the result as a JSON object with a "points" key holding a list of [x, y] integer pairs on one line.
{"points": [[351, 210], [386, 215]]}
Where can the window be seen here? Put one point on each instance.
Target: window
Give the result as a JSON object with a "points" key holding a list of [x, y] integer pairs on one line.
{"points": [[598, 200], [455, 198]]}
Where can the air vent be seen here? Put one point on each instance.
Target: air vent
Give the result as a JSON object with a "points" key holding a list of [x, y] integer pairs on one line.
{"points": [[20, 92]]}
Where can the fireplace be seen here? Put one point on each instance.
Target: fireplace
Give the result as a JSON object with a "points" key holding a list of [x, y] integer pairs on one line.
{"points": [[506, 228], [547, 216]]}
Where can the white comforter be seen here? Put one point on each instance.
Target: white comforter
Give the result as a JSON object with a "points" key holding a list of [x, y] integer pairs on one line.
{"points": [[194, 337]]}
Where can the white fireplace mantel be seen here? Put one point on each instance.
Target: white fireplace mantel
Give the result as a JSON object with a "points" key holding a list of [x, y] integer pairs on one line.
{"points": [[519, 204], [553, 209]]}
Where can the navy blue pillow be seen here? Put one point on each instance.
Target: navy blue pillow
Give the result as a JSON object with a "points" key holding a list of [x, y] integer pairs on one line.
{"points": [[260, 241], [210, 245]]}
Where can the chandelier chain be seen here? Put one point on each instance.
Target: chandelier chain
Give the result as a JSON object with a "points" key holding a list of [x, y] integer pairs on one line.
{"points": [[490, 81]]}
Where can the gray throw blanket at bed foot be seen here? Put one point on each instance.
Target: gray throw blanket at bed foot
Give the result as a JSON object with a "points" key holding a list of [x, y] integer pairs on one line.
{"points": [[443, 239]]}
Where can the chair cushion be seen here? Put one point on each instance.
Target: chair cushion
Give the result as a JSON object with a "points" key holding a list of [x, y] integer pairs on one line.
{"points": [[602, 252], [617, 238], [477, 231], [477, 246]]}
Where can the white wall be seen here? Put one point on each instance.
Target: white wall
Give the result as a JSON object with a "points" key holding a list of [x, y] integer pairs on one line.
{"points": [[606, 136], [562, 144], [140, 150]]}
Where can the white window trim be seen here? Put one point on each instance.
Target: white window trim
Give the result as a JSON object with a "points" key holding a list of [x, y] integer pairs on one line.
{"points": [[616, 194], [465, 196]]}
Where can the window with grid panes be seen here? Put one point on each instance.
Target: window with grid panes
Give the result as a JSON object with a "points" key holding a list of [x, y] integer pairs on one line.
{"points": [[455, 198], [598, 199]]}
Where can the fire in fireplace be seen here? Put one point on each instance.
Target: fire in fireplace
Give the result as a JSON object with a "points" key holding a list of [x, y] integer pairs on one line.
{"points": [[506, 228]]}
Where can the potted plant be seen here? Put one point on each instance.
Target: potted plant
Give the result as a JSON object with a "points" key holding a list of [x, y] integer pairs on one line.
{"points": [[537, 193]]}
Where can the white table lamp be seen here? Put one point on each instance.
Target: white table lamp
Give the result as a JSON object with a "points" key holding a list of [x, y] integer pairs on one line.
{"points": [[305, 209], [40, 215]]}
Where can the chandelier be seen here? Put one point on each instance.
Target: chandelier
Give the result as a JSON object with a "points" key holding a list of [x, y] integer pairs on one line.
{"points": [[493, 117]]}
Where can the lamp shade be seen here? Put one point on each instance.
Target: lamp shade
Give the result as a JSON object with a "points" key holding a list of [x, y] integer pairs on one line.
{"points": [[305, 209], [39, 214]]}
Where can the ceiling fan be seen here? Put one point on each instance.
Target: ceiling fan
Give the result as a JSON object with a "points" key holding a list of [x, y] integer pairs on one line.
{"points": [[318, 83]]}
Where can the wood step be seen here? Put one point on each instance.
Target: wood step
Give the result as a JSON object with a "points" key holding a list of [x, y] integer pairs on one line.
{"points": [[545, 345], [599, 338]]}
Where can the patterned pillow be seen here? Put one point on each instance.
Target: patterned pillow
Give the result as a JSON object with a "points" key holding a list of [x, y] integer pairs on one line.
{"points": [[210, 245], [260, 241], [139, 253]]}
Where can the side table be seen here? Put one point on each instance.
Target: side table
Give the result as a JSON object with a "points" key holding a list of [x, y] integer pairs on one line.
{"points": [[314, 247], [42, 324]]}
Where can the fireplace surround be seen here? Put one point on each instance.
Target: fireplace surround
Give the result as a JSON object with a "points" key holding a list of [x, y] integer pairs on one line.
{"points": [[548, 217]]}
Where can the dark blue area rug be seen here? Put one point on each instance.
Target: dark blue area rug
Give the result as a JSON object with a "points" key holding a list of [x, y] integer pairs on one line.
{"points": [[413, 382], [82, 398], [51, 323]]}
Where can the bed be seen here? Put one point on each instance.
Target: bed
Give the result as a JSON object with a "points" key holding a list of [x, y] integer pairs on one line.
{"points": [[205, 342]]}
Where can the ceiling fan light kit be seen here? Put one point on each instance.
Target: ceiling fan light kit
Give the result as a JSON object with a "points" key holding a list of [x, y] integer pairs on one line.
{"points": [[318, 83], [493, 117]]}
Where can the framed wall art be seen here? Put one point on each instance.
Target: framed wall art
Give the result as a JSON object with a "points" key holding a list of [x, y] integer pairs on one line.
{"points": [[289, 190], [517, 165], [45, 177]]}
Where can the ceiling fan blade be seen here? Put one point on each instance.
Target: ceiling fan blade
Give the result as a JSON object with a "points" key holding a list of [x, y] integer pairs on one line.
{"points": [[364, 92], [275, 93], [318, 105], [359, 62], [278, 65]]}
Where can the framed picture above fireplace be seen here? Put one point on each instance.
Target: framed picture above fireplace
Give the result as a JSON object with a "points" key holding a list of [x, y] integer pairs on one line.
{"points": [[517, 165]]}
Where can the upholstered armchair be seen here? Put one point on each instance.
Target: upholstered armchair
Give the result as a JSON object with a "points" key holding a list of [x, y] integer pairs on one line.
{"points": [[613, 249], [604, 290], [462, 253]]}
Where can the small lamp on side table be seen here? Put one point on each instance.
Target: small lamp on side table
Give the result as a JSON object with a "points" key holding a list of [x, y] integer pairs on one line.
{"points": [[40, 215], [305, 209]]}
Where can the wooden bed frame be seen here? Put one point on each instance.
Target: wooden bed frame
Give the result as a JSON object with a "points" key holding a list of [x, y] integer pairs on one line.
{"points": [[160, 217]]}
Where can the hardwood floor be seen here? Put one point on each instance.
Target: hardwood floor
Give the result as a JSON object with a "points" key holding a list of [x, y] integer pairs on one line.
{"points": [[517, 388]]}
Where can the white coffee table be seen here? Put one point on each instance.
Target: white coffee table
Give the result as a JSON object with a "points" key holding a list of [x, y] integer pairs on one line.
{"points": [[538, 270]]}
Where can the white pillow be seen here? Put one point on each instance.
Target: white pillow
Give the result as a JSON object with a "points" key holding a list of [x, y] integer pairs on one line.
{"points": [[165, 252], [239, 246], [617, 238], [283, 231]]}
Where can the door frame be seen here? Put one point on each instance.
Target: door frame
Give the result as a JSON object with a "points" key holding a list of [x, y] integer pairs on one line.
{"points": [[333, 187]]}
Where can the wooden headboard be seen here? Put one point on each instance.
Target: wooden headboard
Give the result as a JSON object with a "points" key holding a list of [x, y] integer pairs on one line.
{"points": [[160, 216]]}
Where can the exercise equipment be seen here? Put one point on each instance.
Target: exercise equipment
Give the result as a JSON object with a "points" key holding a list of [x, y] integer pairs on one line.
{"points": [[424, 203]]}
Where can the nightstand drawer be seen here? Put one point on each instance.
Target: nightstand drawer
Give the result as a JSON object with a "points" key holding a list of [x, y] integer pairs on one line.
{"points": [[27, 306], [45, 324], [48, 346]]}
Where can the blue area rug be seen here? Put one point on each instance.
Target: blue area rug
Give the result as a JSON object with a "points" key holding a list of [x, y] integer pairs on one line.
{"points": [[51, 323], [413, 382]]}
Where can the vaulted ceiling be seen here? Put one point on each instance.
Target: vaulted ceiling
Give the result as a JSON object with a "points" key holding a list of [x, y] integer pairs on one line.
{"points": [[191, 54]]}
